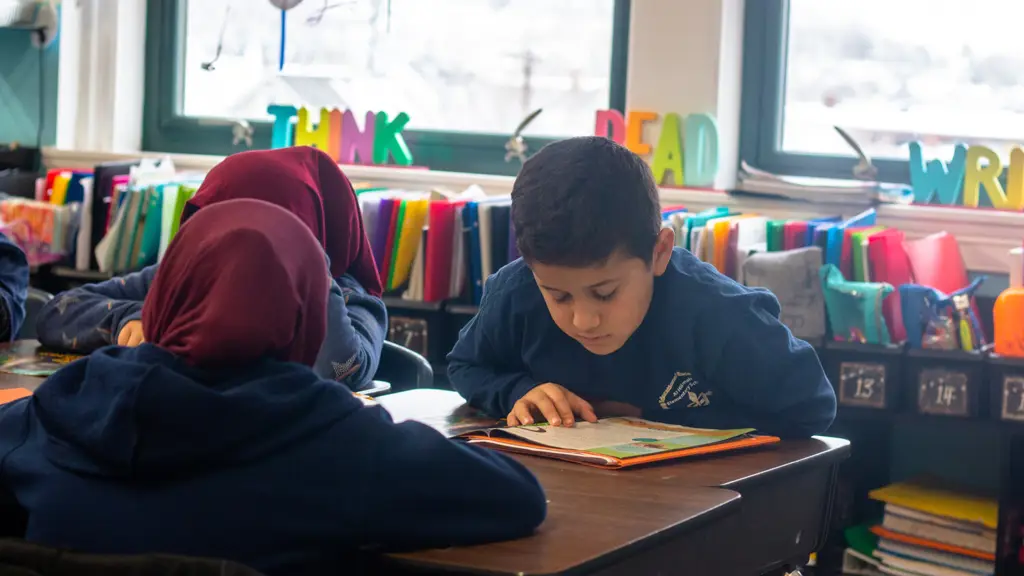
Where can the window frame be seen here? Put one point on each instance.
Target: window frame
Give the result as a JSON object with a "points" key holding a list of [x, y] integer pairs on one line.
{"points": [[166, 129], [765, 47]]}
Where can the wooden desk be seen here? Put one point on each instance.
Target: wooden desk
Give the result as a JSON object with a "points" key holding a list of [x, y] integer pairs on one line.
{"points": [[601, 525], [786, 491]]}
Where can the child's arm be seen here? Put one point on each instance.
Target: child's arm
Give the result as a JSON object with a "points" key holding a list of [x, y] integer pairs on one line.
{"points": [[485, 365], [91, 316], [356, 326], [13, 287], [774, 377], [425, 491]]}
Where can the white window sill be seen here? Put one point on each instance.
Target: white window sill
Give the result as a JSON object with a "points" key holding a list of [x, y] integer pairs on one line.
{"points": [[985, 236]]}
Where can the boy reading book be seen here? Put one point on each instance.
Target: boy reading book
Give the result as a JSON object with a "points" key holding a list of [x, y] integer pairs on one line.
{"points": [[603, 315]]}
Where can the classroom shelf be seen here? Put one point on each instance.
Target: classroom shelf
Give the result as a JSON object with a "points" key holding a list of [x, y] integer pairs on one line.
{"points": [[400, 304]]}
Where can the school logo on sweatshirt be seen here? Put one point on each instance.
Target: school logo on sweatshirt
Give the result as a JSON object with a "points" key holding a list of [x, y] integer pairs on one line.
{"points": [[681, 388]]}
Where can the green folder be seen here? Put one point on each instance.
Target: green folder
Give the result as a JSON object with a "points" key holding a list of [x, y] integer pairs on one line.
{"points": [[151, 231], [859, 247], [776, 237], [394, 248]]}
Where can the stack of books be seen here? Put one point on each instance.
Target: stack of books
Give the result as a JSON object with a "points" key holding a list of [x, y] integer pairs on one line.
{"points": [[820, 190], [929, 530]]}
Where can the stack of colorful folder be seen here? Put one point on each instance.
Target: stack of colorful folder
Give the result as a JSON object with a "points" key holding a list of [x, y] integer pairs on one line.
{"points": [[929, 530]]}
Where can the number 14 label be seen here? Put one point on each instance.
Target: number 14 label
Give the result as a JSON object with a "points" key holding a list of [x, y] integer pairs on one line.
{"points": [[943, 392]]}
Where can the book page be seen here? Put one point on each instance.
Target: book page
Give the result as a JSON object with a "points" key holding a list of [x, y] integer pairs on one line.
{"points": [[621, 437]]}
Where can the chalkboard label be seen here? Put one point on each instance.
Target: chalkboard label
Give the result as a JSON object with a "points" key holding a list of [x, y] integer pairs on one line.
{"points": [[862, 384], [1013, 398], [942, 391]]}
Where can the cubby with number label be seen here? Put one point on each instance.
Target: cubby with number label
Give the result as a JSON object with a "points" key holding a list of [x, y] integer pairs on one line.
{"points": [[863, 375], [946, 383], [1006, 387]]}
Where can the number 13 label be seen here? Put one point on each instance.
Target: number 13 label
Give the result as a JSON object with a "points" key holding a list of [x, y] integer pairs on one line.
{"points": [[862, 384]]}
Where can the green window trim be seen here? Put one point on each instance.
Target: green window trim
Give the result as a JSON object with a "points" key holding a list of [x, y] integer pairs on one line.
{"points": [[765, 43], [165, 129]]}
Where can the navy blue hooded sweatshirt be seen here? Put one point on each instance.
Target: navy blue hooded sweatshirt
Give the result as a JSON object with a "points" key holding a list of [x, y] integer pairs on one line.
{"points": [[13, 288], [91, 316], [710, 353], [133, 451]]}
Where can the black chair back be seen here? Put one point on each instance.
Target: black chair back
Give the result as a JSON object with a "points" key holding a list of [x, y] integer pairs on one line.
{"points": [[34, 303], [26, 559], [403, 368]]}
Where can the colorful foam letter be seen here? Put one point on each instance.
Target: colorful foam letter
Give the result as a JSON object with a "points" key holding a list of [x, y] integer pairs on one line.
{"points": [[668, 155], [701, 150], [1015, 180], [354, 140], [334, 138], [610, 121], [935, 178], [635, 131], [317, 136], [977, 176], [389, 140], [281, 134]]}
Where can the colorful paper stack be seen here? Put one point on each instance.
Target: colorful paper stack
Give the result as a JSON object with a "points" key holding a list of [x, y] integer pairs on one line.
{"points": [[929, 530], [140, 224], [45, 232]]}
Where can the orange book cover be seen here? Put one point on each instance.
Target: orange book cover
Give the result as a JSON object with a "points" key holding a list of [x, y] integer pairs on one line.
{"points": [[12, 394], [897, 537]]}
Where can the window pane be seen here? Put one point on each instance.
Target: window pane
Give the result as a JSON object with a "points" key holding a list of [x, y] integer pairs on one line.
{"points": [[453, 65], [941, 71]]}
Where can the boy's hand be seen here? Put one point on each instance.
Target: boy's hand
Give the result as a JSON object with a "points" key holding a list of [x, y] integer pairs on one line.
{"points": [[610, 409], [131, 334], [556, 404]]}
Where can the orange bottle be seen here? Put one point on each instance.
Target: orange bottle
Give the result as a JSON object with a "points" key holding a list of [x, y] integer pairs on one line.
{"points": [[1008, 322]]}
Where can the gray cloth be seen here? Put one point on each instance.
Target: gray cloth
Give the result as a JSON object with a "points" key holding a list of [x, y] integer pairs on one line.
{"points": [[792, 275]]}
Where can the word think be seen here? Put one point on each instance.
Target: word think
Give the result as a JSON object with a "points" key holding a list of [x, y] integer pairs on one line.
{"points": [[695, 164], [972, 169], [338, 134]]}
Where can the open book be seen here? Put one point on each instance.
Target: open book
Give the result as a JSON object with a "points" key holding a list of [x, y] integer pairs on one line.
{"points": [[615, 442]]}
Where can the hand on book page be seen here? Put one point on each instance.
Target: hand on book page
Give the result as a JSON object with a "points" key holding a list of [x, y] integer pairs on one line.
{"points": [[558, 406]]}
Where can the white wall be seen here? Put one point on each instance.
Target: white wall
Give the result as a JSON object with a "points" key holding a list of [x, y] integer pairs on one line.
{"points": [[685, 56]]}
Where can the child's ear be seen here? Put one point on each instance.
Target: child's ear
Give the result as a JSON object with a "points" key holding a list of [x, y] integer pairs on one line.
{"points": [[663, 251]]}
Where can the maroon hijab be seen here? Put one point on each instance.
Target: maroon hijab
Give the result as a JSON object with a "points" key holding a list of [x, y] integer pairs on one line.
{"points": [[242, 280], [307, 183]]}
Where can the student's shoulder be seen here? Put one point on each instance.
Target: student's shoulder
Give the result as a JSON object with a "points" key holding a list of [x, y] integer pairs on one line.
{"points": [[703, 289], [13, 419], [512, 290]]}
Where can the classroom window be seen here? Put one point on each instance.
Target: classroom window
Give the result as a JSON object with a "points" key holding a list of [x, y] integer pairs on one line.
{"points": [[466, 71], [937, 71]]}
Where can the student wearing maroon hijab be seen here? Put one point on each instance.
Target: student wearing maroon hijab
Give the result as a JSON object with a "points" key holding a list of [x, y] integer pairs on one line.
{"points": [[307, 183], [214, 438]]}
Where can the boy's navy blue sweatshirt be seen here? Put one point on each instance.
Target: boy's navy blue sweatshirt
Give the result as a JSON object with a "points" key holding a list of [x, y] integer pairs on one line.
{"points": [[13, 288], [132, 451], [710, 353], [91, 317]]}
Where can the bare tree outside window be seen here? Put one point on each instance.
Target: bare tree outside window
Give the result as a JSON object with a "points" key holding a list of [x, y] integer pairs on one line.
{"points": [[452, 65]]}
